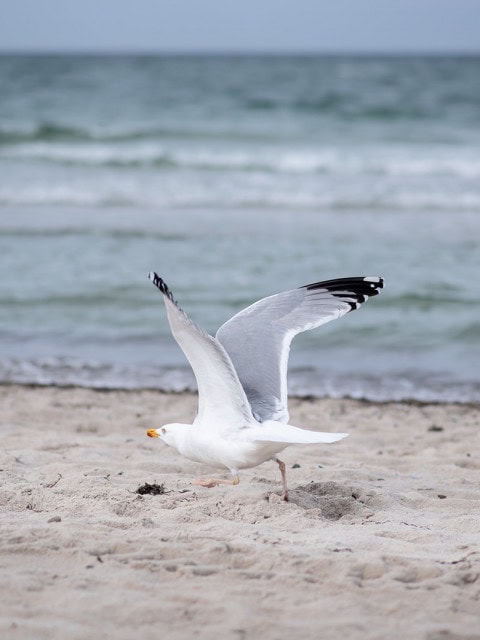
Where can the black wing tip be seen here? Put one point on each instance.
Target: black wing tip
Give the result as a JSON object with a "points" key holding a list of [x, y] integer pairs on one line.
{"points": [[375, 283], [353, 291], [160, 284], [370, 284]]}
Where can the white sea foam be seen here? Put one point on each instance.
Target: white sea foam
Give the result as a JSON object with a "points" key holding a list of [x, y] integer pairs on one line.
{"points": [[406, 385], [324, 176], [342, 160]]}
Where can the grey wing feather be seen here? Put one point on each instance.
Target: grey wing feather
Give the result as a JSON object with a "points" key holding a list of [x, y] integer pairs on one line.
{"points": [[258, 338], [221, 397]]}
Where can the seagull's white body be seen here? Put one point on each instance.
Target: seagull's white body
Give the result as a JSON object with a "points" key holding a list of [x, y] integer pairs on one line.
{"points": [[242, 375], [234, 450]]}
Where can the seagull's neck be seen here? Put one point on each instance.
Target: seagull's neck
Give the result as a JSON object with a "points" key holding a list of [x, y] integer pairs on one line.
{"points": [[177, 435]]}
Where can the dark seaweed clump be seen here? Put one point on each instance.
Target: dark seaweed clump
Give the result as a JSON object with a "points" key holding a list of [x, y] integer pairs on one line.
{"points": [[151, 489]]}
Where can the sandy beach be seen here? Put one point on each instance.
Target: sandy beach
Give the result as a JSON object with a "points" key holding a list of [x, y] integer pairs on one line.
{"points": [[381, 538]]}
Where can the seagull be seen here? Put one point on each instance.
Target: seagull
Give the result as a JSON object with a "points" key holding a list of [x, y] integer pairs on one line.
{"points": [[241, 373]]}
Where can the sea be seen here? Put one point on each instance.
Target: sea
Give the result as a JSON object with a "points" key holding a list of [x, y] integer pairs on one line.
{"points": [[235, 177]]}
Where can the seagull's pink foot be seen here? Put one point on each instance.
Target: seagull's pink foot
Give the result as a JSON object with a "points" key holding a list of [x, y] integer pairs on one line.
{"points": [[214, 482], [206, 482]]}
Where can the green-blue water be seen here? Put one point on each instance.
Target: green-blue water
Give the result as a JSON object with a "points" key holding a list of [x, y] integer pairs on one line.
{"points": [[234, 178]]}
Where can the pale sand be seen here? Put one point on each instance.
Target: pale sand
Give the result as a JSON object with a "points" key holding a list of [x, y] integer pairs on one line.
{"points": [[399, 560]]}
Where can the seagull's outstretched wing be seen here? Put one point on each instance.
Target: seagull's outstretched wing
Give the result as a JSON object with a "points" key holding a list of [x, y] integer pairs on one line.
{"points": [[258, 338], [221, 399]]}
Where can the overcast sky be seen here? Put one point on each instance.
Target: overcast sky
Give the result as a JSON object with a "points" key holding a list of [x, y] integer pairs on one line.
{"points": [[240, 25]]}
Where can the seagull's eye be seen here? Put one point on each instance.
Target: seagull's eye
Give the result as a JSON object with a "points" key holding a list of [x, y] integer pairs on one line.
{"points": [[163, 430]]}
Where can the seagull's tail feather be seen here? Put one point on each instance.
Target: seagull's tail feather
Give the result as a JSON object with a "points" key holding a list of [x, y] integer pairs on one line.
{"points": [[272, 431]]}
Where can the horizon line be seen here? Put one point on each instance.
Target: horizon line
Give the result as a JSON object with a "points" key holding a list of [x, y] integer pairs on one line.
{"points": [[244, 52]]}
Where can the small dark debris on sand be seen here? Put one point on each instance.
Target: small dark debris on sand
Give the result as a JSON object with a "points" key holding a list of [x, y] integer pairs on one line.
{"points": [[151, 489]]}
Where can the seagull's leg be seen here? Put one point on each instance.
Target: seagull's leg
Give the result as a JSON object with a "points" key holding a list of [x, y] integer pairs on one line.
{"points": [[281, 466], [214, 482]]}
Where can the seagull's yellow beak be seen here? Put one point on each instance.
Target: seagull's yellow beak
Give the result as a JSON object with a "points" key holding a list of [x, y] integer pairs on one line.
{"points": [[152, 433]]}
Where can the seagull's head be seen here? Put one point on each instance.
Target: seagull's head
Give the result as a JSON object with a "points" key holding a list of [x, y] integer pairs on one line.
{"points": [[169, 433]]}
